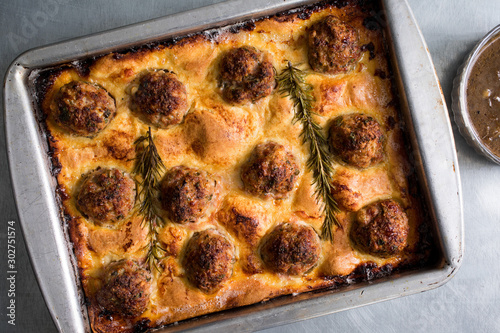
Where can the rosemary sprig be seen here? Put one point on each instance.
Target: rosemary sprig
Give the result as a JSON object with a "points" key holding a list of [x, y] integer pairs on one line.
{"points": [[149, 166], [292, 83]]}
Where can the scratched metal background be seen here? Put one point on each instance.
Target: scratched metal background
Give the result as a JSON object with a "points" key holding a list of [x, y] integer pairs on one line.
{"points": [[470, 302]]}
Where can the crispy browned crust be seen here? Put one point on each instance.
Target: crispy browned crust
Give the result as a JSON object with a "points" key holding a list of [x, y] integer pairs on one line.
{"points": [[218, 137]]}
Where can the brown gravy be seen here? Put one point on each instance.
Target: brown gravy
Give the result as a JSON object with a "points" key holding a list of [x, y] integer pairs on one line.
{"points": [[483, 95]]}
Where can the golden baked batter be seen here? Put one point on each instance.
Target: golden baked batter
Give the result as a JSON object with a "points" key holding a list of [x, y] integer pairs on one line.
{"points": [[217, 134]]}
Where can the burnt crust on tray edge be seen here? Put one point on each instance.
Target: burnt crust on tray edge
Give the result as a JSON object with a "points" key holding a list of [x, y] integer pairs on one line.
{"points": [[83, 66], [365, 272]]}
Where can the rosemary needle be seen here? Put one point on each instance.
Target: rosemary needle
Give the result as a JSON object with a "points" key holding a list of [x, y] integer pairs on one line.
{"points": [[149, 166], [292, 83]]}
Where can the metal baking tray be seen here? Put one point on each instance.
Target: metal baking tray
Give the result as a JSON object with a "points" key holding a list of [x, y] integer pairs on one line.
{"points": [[428, 128]]}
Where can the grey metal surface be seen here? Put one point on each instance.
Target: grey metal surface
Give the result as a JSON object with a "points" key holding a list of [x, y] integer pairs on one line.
{"points": [[470, 301]]}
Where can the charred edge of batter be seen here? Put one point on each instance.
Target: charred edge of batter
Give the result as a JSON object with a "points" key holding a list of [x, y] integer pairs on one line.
{"points": [[428, 247], [83, 66], [363, 272], [370, 271]]}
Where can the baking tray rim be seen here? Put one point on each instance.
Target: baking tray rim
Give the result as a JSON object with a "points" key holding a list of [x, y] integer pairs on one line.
{"points": [[19, 118]]}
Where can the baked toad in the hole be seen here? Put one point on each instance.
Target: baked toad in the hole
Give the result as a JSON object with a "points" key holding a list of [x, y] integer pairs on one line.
{"points": [[239, 219]]}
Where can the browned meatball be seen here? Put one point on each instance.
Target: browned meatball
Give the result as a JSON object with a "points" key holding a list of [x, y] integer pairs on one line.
{"points": [[83, 108], [270, 171], [186, 193], [291, 248], [381, 229], [208, 260], [245, 75], [126, 289], [333, 46], [106, 195], [357, 139], [161, 98]]}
